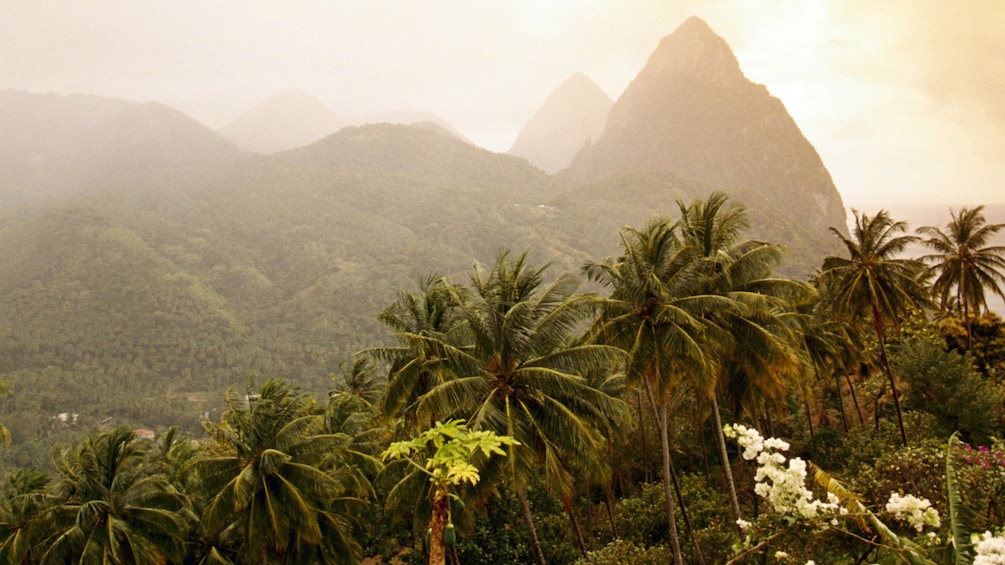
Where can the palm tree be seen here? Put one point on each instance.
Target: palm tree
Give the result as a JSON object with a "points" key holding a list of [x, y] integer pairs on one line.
{"points": [[113, 506], [277, 491], [425, 325], [760, 356], [25, 497], [655, 314], [965, 263], [358, 378], [518, 376], [874, 283]]}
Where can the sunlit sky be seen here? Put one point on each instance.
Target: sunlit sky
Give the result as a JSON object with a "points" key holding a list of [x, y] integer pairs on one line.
{"points": [[903, 99]]}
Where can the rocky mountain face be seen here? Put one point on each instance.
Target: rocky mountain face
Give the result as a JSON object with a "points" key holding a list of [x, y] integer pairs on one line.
{"points": [[285, 121], [571, 118], [692, 111]]}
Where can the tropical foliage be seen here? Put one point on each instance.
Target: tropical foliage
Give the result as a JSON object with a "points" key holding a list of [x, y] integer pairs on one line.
{"points": [[692, 326]]}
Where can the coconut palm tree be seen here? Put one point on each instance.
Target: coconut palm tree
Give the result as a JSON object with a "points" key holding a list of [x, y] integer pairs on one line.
{"points": [[655, 314], [113, 506], [964, 262], [426, 325], [25, 497], [875, 283], [358, 377], [760, 356], [278, 490], [519, 376]]}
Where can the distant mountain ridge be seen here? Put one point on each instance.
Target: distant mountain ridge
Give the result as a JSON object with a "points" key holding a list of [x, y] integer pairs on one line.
{"points": [[283, 121], [571, 117]]}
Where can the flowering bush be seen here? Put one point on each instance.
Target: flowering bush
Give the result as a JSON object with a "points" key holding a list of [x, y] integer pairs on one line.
{"points": [[784, 487], [990, 549], [918, 512]]}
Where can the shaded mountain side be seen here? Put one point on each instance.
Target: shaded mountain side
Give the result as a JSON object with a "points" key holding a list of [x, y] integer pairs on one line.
{"points": [[38, 128], [100, 144], [692, 111], [264, 265], [570, 118], [284, 121], [596, 210], [410, 118]]}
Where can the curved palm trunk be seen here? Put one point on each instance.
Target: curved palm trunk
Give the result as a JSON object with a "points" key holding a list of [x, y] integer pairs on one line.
{"points": [[854, 399], [877, 325], [567, 504], [699, 558], [661, 422], [720, 437], [521, 494], [840, 395], [609, 503], [809, 415]]}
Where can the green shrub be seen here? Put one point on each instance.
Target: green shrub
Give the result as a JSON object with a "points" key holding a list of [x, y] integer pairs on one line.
{"points": [[621, 551]]}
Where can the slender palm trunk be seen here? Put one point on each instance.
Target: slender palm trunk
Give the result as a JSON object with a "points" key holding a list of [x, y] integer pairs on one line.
{"points": [[699, 558], [720, 437], [840, 395], [642, 433], [521, 494], [877, 325], [854, 399], [567, 504], [970, 331], [809, 414], [609, 503], [668, 496], [704, 453]]}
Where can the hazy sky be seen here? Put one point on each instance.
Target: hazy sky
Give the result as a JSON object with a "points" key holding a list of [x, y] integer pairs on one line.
{"points": [[904, 99]]}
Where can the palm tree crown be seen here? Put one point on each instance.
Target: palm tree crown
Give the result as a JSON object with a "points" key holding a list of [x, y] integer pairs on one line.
{"points": [[964, 262]]}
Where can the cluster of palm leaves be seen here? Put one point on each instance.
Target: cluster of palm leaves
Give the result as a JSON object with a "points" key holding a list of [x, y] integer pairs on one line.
{"points": [[282, 479]]}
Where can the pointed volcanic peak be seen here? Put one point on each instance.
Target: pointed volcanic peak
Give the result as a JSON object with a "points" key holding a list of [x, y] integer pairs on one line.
{"points": [[570, 118], [692, 111], [285, 121]]}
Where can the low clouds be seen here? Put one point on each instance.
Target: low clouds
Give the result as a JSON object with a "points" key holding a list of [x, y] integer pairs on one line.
{"points": [[883, 89]]}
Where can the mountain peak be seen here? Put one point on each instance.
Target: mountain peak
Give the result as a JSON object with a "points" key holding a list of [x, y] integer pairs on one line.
{"points": [[571, 117], [692, 111], [693, 50], [283, 121]]}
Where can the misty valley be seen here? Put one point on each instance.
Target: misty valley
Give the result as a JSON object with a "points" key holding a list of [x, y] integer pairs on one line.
{"points": [[649, 333]]}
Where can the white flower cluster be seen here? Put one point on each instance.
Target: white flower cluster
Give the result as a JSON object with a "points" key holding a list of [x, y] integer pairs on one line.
{"points": [[990, 549], [784, 487], [917, 511]]}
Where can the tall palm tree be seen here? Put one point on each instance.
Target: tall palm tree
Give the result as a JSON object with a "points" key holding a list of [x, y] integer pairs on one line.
{"points": [[965, 263], [426, 325], [655, 314], [760, 357], [277, 491], [874, 283], [113, 506], [519, 376]]}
